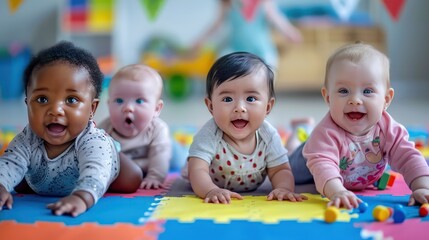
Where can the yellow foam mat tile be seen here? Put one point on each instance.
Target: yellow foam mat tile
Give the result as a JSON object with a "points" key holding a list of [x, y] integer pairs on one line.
{"points": [[251, 208]]}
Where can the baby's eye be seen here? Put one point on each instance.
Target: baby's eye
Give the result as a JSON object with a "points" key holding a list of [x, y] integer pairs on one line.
{"points": [[343, 91], [139, 101], [368, 91], [227, 99], [119, 100], [250, 99], [42, 99], [71, 100]]}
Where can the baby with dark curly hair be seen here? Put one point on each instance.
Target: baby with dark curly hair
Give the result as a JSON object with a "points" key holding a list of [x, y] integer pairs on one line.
{"points": [[61, 152]]}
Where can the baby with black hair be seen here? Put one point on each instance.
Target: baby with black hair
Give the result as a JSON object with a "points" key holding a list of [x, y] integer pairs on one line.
{"points": [[61, 152], [237, 149]]}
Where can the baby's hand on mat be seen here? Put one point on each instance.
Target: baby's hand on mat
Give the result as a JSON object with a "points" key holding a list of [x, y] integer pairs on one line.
{"points": [[72, 205], [346, 199], [219, 195], [5, 198], [283, 194], [151, 184], [419, 196]]}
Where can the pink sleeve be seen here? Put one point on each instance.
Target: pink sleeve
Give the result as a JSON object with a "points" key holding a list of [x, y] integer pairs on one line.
{"points": [[322, 151], [401, 153]]}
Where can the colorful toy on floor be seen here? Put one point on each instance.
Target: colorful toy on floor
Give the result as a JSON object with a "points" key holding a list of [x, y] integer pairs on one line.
{"points": [[420, 136], [363, 206], [424, 210], [386, 180], [6, 135], [398, 214], [182, 139], [331, 214], [381, 213]]}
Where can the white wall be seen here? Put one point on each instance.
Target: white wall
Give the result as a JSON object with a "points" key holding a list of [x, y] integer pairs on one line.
{"points": [[407, 40], [33, 24], [181, 21]]}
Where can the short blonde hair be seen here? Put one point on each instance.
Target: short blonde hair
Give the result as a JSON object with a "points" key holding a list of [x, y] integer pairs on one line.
{"points": [[354, 52], [137, 72]]}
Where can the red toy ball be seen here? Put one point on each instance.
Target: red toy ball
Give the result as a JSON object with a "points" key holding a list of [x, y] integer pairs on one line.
{"points": [[424, 210]]}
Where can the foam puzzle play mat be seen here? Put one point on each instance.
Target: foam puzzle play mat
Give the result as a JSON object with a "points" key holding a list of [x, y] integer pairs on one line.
{"points": [[176, 213]]}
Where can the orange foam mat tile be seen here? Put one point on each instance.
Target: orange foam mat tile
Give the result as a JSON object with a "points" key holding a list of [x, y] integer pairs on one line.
{"points": [[48, 230]]}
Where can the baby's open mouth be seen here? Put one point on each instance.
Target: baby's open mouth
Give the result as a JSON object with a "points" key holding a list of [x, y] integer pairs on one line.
{"points": [[355, 115], [239, 123], [56, 128], [128, 120]]}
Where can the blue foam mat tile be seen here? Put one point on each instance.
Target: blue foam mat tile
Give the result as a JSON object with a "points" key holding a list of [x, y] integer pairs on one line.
{"points": [[207, 230], [108, 210]]}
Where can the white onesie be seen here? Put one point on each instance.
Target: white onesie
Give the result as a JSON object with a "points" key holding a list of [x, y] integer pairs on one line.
{"points": [[232, 170]]}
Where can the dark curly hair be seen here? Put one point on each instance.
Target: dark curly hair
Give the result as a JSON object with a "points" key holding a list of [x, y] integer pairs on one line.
{"points": [[65, 51], [236, 65]]}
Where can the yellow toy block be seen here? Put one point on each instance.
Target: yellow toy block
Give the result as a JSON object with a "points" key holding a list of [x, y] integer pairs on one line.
{"points": [[101, 20], [381, 213]]}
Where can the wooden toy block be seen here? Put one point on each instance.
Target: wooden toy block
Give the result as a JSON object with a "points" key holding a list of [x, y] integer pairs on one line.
{"points": [[386, 180]]}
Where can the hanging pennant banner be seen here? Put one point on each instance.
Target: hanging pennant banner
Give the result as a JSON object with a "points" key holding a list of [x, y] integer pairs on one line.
{"points": [[152, 7], [248, 8], [394, 7], [344, 8], [14, 5]]}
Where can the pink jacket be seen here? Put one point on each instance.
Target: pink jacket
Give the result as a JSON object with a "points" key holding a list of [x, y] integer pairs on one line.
{"points": [[359, 161]]}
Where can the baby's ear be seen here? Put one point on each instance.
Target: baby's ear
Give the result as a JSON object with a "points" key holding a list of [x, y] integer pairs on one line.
{"points": [[209, 104], [388, 98], [94, 105], [159, 107], [325, 94], [270, 105]]}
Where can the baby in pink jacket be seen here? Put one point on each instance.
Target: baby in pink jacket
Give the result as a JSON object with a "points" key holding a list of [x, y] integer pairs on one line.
{"points": [[353, 144]]}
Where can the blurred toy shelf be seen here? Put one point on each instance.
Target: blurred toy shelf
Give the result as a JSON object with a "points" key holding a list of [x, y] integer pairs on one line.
{"points": [[301, 67], [13, 60], [89, 24]]}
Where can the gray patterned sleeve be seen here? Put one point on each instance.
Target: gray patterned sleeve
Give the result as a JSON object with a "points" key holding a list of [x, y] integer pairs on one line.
{"points": [[98, 162], [15, 160]]}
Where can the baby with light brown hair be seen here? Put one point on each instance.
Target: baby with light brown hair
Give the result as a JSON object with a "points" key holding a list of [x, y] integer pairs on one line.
{"points": [[135, 104]]}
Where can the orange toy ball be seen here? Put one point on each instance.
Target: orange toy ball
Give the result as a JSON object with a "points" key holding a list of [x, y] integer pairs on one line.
{"points": [[331, 214]]}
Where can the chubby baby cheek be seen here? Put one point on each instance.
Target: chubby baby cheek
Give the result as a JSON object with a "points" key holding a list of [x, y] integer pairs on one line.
{"points": [[82, 113]]}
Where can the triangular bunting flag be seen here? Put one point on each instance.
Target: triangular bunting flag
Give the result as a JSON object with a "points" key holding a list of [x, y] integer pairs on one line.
{"points": [[152, 7], [344, 8], [394, 7], [14, 5], [248, 9]]}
